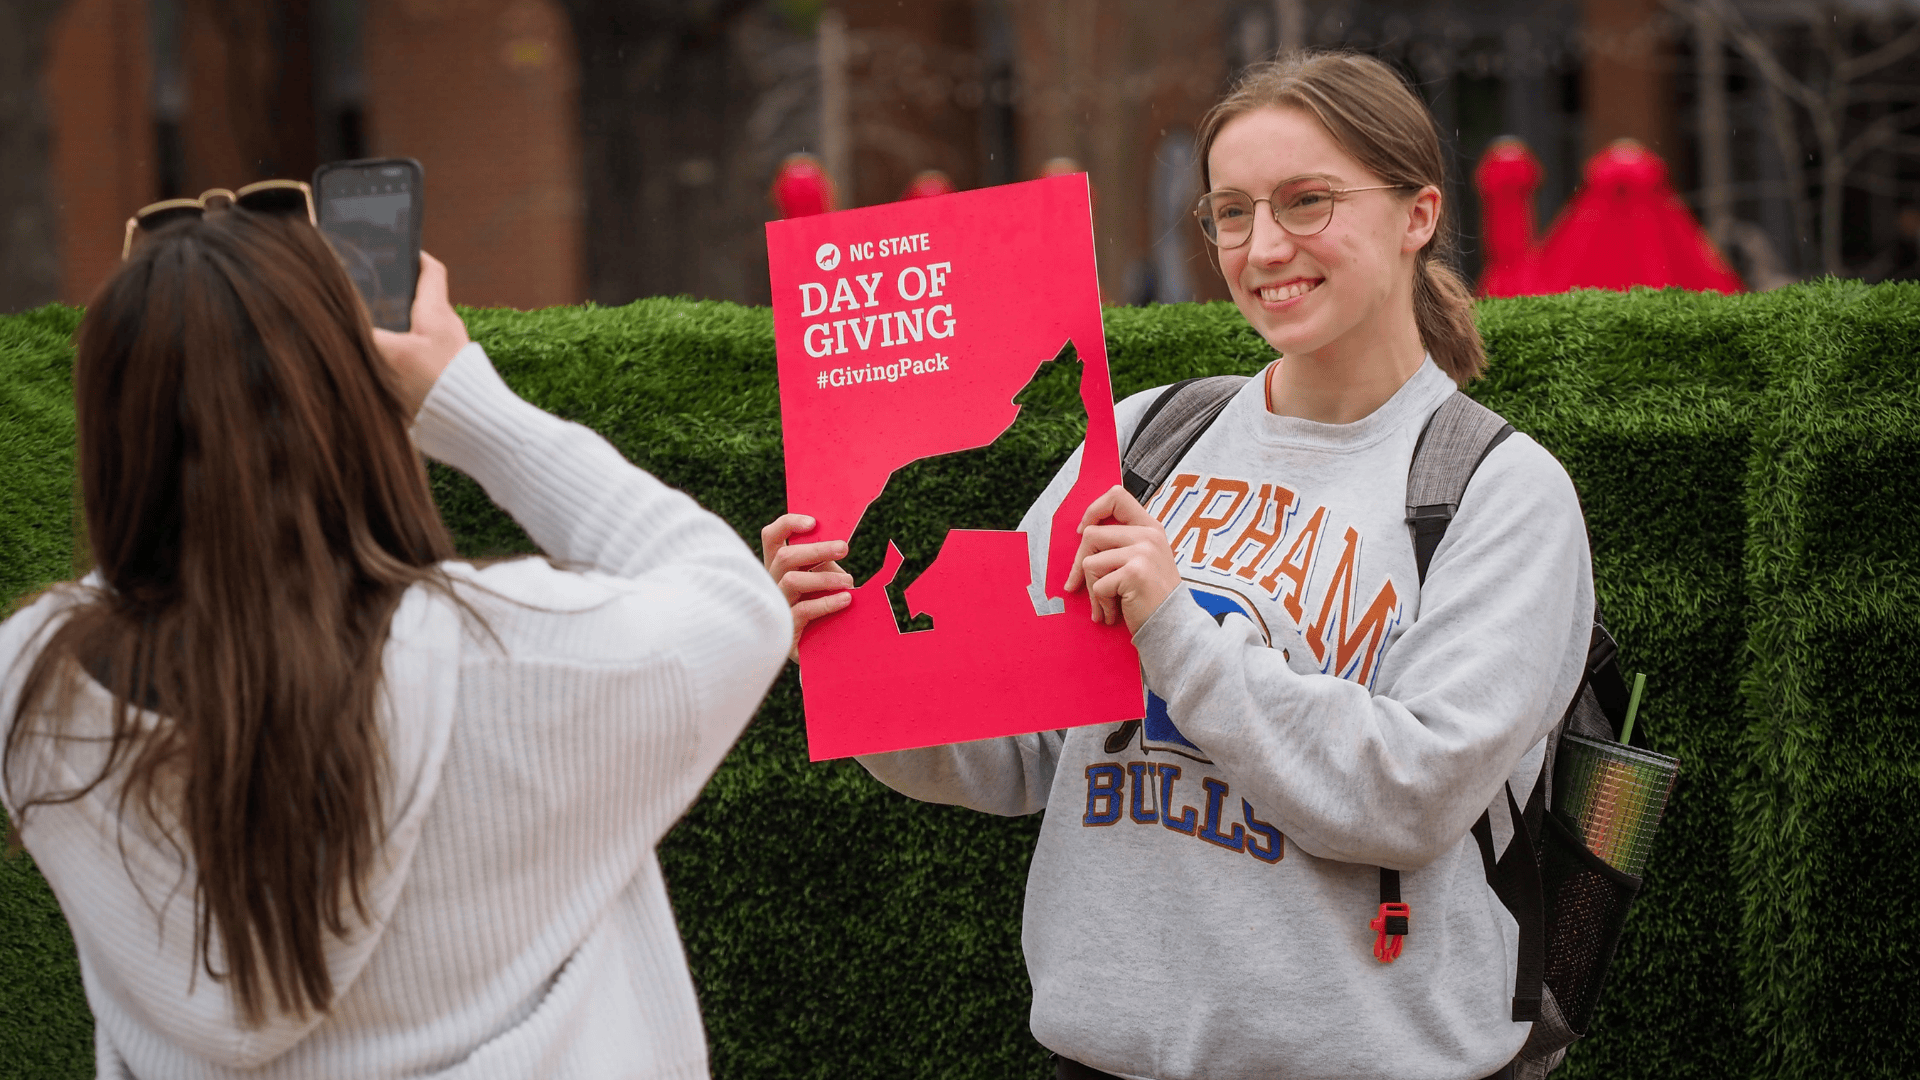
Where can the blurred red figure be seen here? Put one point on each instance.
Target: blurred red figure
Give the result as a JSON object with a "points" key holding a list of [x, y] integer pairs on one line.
{"points": [[1626, 227], [1507, 177], [801, 187], [929, 183]]}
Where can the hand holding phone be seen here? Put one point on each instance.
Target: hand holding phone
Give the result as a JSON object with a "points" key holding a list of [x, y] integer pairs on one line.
{"points": [[418, 356], [370, 212]]}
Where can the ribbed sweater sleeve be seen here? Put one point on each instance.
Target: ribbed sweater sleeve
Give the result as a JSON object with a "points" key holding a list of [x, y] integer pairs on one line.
{"points": [[589, 509]]}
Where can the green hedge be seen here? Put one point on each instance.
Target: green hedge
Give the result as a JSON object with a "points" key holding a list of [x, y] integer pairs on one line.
{"points": [[45, 1028], [1827, 852], [1751, 478]]}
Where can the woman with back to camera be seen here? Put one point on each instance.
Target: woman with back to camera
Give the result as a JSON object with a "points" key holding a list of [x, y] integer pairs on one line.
{"points": [[1326, 716], [316, 800]]}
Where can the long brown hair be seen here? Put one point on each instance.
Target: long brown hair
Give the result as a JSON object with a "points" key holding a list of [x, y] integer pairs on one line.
{"points": [[1374, 116], [256, 509]]}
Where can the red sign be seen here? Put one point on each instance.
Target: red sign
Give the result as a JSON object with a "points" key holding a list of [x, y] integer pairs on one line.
{"points": [[905, 332]]}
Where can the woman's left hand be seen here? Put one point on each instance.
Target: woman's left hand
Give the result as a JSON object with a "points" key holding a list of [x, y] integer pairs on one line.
{"points": [[418, 356], [1124, 560]]}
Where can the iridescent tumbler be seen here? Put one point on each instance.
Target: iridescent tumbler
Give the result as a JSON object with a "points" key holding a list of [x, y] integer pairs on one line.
{"points": [[1612, 797]]}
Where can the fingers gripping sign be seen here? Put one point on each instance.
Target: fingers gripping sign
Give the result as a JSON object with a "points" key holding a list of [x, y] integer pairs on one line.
{"points": [[1124, 560], [804, 571]]}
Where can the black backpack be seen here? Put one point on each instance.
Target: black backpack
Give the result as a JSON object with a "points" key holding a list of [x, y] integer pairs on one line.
{"points": [[1569, 903]]}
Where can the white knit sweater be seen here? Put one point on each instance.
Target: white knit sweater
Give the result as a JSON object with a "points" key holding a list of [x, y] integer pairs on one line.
{"points": [[522, 926]]}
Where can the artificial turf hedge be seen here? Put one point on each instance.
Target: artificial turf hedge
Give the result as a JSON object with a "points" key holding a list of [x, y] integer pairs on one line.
{"points": [[45, 1028], [1750, 468]]}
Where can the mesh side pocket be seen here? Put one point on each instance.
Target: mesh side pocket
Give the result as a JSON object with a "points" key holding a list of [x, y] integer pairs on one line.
{"points": [[1586, 907]]}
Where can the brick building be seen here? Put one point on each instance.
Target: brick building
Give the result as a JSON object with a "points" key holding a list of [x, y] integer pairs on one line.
{"points": [[611, 149], [149, 99]]}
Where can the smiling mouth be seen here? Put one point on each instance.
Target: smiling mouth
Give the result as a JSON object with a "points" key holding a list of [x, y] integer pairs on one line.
{"points": [[1273, 294]]}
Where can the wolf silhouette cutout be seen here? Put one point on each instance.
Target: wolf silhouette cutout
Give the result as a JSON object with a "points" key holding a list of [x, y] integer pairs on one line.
{"points": [[986, 487]]}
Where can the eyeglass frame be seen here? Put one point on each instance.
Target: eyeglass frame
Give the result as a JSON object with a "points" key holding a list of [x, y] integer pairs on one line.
{"points": [[1275, 214], [233, 197]]}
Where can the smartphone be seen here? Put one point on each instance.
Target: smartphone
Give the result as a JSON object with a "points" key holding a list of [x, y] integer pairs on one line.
{"points": [[370, 212]]}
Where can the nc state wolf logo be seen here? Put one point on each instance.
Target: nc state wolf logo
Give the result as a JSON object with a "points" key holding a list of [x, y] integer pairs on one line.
{"points": [[987, 487]]}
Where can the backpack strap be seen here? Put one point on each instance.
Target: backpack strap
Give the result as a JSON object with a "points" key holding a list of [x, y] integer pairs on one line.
{"points": [[1601, 704], [1458, 437], [1515, 878], [1172, 424]]}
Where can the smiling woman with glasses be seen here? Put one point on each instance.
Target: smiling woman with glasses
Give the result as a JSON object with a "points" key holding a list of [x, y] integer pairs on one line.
{"points": [[1328, 712]]}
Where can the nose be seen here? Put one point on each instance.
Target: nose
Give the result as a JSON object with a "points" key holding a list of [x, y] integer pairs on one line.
{"points": [[1270, 245]]}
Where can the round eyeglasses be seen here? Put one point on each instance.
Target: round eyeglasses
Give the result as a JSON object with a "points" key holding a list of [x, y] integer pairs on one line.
{"points": [[1302, 207]]}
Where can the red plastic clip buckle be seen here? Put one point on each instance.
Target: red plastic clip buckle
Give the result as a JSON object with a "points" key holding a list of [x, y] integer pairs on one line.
{"points": [[1392, 923]]}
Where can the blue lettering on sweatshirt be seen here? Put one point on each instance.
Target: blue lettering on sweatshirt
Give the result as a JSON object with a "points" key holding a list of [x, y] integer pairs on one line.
{"points": [[1104, 785], [1142, 792]]}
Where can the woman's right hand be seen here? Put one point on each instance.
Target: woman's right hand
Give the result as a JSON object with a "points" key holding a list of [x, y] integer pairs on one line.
{"points": [[804, 569]]}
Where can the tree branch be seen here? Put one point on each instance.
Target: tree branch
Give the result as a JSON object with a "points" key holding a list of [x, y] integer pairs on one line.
{"points": [[1901, 144], [1829, 37], [1897, 49], [1757, 52], [1881, 185], [1884, 93], [1793, 162], [1878, 134]]}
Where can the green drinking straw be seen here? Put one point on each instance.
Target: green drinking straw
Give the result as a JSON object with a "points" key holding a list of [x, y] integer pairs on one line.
{"points": [[1633, 705]]}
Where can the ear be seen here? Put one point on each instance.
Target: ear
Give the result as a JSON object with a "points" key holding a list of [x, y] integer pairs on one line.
{"points": [[1423, 218]]}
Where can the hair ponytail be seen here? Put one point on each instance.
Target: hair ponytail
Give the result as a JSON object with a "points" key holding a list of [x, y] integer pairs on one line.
{"points": [[1443, 311], [1373, 115]]}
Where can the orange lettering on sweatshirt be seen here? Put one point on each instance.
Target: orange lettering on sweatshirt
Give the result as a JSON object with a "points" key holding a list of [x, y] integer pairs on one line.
{"points": [[1297, 565], [1272, 497], [1356, 642], [1200, 524]]}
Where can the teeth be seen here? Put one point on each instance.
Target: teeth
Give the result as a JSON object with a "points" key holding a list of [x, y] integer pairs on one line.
{"points": [[1276, 293]]}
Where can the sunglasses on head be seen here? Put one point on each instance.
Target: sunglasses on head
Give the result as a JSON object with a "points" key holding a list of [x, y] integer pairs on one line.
{"points": [[287, 198]]}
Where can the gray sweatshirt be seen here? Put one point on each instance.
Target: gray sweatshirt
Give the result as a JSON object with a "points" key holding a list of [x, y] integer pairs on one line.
{"points": [[1198, 904]]}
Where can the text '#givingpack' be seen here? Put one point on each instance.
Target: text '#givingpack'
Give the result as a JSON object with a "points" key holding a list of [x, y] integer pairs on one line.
{"points": [[878, 373]]}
